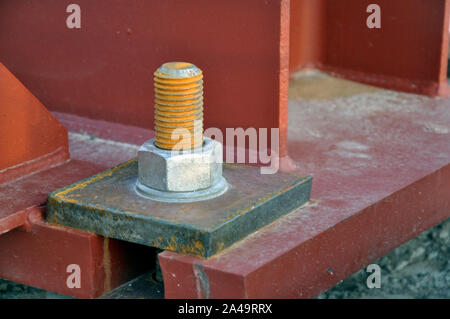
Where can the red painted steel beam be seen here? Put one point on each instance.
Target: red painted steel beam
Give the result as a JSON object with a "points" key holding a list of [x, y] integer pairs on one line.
{"points": [[381, 175], [105, 69], [21, 196], [270, 265], [37, 254], [408, 53], [31, 139]]}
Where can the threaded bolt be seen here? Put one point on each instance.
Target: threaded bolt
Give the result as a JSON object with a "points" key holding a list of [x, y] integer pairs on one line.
{"points": [[178, 106]]}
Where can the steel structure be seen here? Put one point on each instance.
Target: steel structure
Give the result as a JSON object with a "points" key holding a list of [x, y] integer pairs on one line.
{"points": [[380, 162]]}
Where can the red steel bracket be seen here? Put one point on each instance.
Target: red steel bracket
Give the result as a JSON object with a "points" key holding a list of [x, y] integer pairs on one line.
{"points": [[408, 53], [31, 139], [39, 255]]}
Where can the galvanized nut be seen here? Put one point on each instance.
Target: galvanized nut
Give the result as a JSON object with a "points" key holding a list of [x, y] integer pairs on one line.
{"points": [[183, 171]]}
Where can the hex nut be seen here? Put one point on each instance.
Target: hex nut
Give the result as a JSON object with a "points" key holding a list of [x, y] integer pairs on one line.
{"points": [[180, 171]]}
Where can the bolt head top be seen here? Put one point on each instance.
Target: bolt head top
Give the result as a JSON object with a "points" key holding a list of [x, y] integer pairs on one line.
{"points": [[177, 70]]}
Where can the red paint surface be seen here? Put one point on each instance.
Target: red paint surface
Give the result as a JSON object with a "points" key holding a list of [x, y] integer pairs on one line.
{"points": [[381, 175], [37, 254], [20, 196], [408, 53], [307, 33], [93, 149], [39, 257], [105, 69], [30, 137]]}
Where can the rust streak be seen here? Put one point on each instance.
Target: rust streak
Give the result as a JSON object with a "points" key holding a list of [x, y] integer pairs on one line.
{"points": [[106, 265]]}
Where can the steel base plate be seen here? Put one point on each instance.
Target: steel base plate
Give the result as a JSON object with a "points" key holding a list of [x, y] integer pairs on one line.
{"points": [[107, 204]]}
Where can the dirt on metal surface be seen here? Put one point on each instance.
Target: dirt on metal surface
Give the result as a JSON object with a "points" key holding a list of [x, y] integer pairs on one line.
{"points": [[311, 84]]}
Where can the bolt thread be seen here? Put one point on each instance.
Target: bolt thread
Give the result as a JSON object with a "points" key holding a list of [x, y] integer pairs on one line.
{"points": [[178, 106]]}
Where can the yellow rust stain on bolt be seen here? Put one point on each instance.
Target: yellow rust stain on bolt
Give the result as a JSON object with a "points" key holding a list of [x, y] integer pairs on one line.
{"points": [[178, 106]]}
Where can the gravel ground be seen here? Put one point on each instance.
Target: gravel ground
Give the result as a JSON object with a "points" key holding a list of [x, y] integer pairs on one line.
{"points": [[418, 269], [12, 290]]}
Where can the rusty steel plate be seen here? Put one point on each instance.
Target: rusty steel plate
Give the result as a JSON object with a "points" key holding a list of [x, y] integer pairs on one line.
{"points": [[107, 204]]}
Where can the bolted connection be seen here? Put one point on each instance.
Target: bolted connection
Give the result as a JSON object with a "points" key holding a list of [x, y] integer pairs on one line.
{"points": [[178, 106], [179, 164]]}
